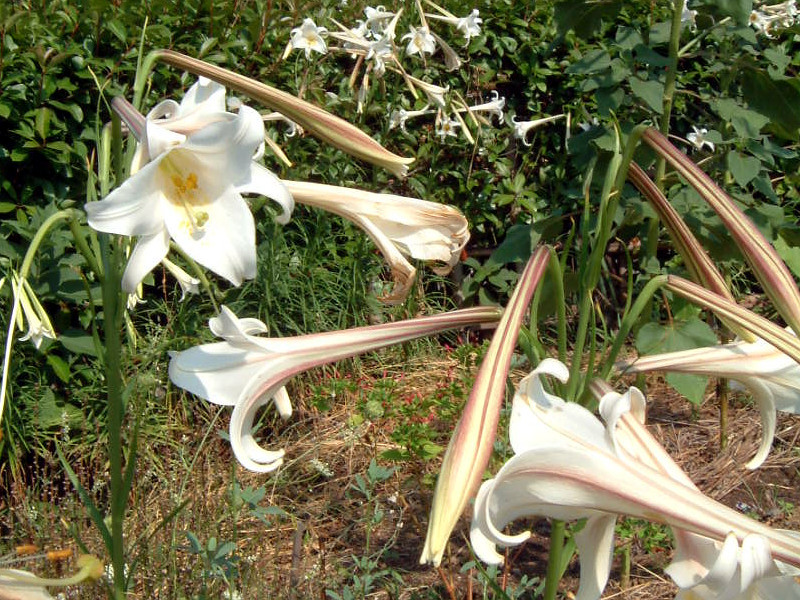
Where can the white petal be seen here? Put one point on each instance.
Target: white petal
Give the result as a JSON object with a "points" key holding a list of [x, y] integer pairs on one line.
{"points": [[264, 182], [134, 208], [762, 394], [283, 403], [756, 560], [227, 147], [225, 243], [539, 418], [217, 372], [596, 550], [149, 251], [205, 95]]}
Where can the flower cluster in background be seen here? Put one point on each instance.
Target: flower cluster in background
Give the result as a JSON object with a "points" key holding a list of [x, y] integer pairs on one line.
{"points": [[769, 17], [378, 47]]}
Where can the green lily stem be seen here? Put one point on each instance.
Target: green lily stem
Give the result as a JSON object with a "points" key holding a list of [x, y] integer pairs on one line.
{"points": [[112, 309], [557, 277], [554, 560], [669, 83], [83, 248], [199, 273], [642, 301]]}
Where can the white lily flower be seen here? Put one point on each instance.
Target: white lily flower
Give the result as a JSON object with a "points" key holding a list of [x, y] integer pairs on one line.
{"points": [[420, 41], [689, 16], [447, 127], [401, 227], [379, 52], [375, 20], [435, 93], [698, 138], [16, 584], [772, 377], [398, 117], [247, 372], [201, 162], [521, 128], [470, 25], [568, 466], [308, 37], [494, 107], [33, 314], [189, 284]]}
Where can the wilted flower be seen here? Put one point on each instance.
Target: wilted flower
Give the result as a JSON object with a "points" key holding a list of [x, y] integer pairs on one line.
{"points": [[308, 37], [401, 227]]}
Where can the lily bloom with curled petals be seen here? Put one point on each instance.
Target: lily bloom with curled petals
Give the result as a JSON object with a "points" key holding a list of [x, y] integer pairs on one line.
{"points": [[308, 37], [567, 466], [420, 41], [521, 128], [772, 377], [401, 227], [247, 372], [200, 164], [16, 584], [470, 25]]}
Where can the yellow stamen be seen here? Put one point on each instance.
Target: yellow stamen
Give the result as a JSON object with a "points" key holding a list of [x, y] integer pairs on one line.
{"points": [[184, 193]]}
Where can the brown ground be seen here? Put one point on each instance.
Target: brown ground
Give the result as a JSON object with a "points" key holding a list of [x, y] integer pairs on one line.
{"points": [[313, 549]]}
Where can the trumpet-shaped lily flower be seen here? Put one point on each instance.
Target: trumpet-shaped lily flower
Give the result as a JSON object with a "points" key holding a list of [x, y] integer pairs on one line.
{"points": [[308, 37], [401, 227], [189, 284], [521, 128], [771, 376], [16, 584], [420, 41], [39, 325], [567, 465], [201, 162], [247, 371], [472, 442], [470, 25]]}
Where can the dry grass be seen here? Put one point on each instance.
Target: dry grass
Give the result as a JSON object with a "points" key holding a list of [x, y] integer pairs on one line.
{"points": [[312, 549]]}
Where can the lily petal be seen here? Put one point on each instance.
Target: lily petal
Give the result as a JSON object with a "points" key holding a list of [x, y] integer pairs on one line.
{"points": [[149, 251], [248, 371]]}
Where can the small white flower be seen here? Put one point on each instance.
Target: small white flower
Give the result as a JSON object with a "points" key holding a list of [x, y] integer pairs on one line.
{"points": [[698, 138], [447, 127], [309, 37], [689, 16], [470, 25], [39, 325], [189, 284], [398, 118], [521, 128], [375, 18], [420, 41], [494, 107]]}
